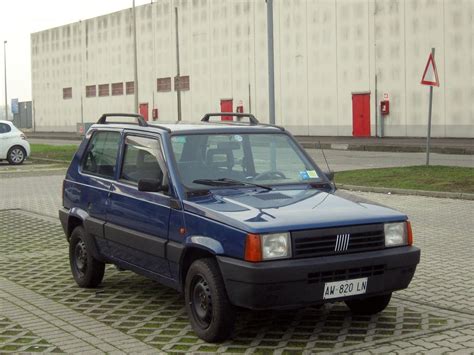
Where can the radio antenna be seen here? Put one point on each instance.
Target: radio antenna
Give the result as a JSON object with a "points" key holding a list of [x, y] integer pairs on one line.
{"points": [[327, 164]]}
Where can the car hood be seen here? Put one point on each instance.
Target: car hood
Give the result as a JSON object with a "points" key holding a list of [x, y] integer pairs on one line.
{"points": [[288, 210]]}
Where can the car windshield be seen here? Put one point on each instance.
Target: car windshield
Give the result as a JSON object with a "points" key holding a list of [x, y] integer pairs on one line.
{"points": [[223, 160]]}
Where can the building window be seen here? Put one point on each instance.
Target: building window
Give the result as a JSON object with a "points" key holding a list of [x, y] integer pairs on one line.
{"points": [[130, 87], [163, 84], [91, 91], [117, 89], [67, 93], [104, 90], [182, 83]]}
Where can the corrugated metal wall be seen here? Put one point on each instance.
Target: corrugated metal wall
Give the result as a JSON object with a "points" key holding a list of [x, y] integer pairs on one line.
{"points": [[325, 50]]}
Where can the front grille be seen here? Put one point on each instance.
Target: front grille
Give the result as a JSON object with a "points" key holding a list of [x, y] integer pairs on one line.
{"points": [[341, 240], [345, 274]]}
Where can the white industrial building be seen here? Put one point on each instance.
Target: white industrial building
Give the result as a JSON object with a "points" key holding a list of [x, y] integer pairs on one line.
{"points": [[335, 60]]}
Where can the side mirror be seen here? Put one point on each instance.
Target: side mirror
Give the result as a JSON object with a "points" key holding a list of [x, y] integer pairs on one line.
{"points": [[329, 175], [150, 185]]}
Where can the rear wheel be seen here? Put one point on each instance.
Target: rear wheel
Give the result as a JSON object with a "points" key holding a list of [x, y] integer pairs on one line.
{"points": [[16, 155], [369, 305], [86, 270], [209, 310]]}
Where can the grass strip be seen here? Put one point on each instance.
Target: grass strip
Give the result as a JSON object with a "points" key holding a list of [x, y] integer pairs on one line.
{"points": [[428, 178], [53, 152]]}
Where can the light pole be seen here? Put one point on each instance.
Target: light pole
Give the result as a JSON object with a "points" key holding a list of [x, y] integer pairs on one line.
{"points": [[135, 60], [271, 63], [5, 63], [178, 73]]}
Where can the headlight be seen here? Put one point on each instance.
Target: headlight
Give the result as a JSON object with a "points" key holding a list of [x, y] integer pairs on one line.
{"points": [[395, 234], [276, 246]]}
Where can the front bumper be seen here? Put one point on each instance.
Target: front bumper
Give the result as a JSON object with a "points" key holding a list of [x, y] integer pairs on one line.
{"points": [[27, 147], [298, 282]]}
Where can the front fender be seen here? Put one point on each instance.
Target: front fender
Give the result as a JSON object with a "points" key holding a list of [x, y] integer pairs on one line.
{"points": [[211, 245]]}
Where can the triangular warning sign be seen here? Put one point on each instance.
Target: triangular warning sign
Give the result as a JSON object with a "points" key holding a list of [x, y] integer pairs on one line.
{"points": [[430, 75]]}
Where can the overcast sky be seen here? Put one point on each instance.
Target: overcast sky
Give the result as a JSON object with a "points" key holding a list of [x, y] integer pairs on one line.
{"points": [[19, 18]]}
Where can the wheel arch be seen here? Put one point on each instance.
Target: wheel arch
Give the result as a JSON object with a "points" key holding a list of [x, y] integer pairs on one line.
{"points": [[72, 223], [197, 247], [77, 217], [16, 145]]}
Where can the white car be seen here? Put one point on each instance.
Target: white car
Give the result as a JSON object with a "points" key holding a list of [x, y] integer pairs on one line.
{"points": [[13, 144]]}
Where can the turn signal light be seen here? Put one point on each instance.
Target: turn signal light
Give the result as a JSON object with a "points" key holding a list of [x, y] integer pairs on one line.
{"points": [[253, 248], [409, 234]]}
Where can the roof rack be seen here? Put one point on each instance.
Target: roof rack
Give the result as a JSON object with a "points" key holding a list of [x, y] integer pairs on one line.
{"points": [[252, 120], [140, 120]]}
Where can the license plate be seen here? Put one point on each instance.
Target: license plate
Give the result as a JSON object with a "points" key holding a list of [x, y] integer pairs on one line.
{"points": [[345, 288]]}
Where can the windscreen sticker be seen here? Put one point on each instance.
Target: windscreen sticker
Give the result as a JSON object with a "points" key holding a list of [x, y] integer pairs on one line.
{"points": [[237, 138], [304, 175], [308, 174]]}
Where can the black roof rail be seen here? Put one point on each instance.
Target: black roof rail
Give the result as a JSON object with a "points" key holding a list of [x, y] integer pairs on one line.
{"points": [[140, 120], [252, 119]]}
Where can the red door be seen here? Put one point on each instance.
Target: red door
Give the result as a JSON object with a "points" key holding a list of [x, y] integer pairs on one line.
{"points": [[361, 115], [227, 106], [144, 111]]}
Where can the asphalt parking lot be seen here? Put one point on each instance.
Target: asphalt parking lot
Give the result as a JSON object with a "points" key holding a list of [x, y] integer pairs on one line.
{"points": [[42, 309]]}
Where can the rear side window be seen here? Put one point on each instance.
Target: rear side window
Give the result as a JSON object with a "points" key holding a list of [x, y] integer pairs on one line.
{"points": [[101, 155], [4, 128], [143, 159]]}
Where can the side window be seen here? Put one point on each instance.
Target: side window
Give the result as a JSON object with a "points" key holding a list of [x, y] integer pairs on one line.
{"points": [[143, 159], [4, 128], [101, 154]]}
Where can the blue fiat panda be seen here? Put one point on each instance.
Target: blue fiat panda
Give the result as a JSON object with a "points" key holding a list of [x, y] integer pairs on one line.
{"points": [[232, 214]]}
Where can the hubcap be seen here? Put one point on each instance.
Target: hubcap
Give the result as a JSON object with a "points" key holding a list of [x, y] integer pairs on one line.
{"points": [[16, 155], [80, 257], [201, 301]]}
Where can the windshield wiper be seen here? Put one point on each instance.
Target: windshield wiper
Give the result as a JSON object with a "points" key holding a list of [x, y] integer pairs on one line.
{"points": [[229, 182], [320, 185]]}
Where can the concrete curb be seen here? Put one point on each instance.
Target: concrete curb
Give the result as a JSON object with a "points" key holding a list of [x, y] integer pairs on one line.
{"points": [[59, 136], [438, 194], [51, 160], [387, 148]]}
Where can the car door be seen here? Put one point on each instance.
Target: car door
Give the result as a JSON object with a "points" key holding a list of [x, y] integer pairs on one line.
{"points": [[5, 129], [97, 171], [137, 221]]}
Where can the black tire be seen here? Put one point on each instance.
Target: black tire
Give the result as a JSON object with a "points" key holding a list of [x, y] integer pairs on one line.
{"points": [[211, 314], [369, 305], [16, 155], [86, 270]]}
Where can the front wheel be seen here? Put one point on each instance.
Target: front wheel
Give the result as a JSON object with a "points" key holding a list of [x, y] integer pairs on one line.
{"points": [[209, 310], [16, 155], [86, 270], [369, 305]]}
